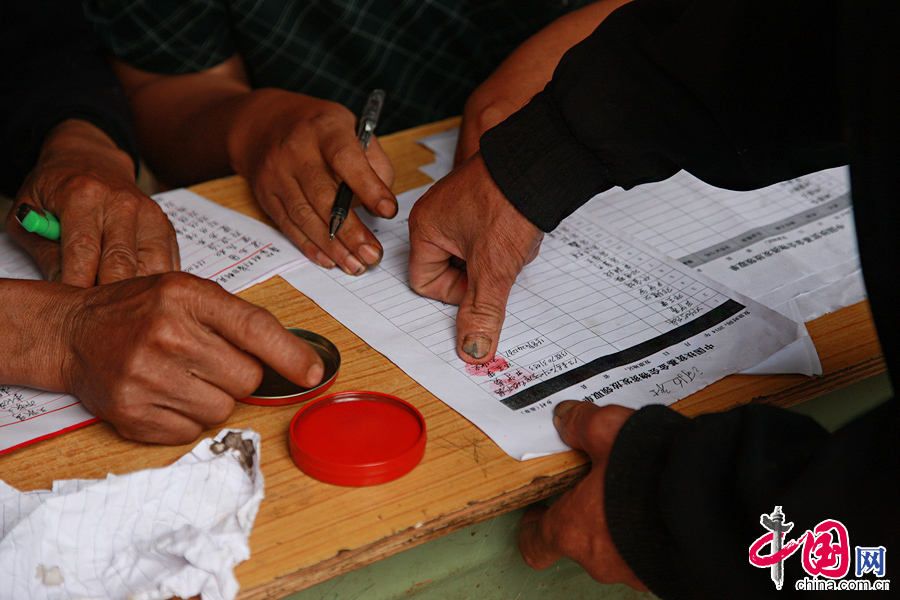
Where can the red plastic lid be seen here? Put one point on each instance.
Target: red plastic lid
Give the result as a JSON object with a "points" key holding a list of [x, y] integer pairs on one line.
{"points": [[357, 438]]}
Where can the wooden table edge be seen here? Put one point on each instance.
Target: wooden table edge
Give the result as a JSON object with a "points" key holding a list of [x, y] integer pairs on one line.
{"points": [[348, 560]]}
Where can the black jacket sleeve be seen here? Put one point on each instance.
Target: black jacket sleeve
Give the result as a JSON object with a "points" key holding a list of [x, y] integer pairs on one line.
{"points": [[742, 94], [53, 68], [724, 89], [684, 496]]}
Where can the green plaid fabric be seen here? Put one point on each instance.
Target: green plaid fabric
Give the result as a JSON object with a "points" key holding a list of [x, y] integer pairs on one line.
{"points": [[428, 55]]}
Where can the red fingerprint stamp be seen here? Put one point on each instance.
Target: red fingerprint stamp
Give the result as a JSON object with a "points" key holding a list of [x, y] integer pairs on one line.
{"points": [[496, 365]]}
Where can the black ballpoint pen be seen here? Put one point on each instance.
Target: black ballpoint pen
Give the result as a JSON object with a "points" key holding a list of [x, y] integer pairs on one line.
{"points": [[367, 122]]}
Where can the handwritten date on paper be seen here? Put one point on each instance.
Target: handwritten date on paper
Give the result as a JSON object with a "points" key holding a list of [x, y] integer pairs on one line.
{"points": [[682, 379]]}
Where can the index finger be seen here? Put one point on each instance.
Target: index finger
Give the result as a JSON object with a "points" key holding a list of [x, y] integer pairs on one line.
{"points": [[115, 241], [349, 161], [256, 331], [274, 345], [157, 244]]}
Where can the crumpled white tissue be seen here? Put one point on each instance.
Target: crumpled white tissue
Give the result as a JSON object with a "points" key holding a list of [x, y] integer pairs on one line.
{"points": [[150, 535]]}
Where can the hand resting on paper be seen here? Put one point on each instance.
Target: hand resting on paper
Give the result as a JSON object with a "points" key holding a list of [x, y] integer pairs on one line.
{"points": [[158, 357], [110, 229], [466, 216], [575, 526]]}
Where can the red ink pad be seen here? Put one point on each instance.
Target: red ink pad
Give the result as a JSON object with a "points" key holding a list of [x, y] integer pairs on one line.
{"points": [[357, 438], [275, 390]]}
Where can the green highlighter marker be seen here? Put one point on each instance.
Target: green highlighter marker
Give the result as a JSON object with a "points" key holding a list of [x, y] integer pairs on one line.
{"points": [[38, 221]]}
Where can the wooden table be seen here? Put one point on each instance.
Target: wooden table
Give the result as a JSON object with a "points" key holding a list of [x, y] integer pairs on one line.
{"points": [[306, 531]]}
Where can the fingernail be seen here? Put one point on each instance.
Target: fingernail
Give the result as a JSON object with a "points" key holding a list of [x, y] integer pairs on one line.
{"points": [[324, 260], [314, 375], [352, 266], [370, 253], [386, 208], [476, 345], [562, 409]]}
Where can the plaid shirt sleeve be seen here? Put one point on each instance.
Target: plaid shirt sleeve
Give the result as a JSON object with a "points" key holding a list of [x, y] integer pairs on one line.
{"points": [[165, 36], [427, 56]]}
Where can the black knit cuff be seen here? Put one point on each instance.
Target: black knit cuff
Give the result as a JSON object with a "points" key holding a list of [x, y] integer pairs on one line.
{"points": [[631, 496], [543, 170]]}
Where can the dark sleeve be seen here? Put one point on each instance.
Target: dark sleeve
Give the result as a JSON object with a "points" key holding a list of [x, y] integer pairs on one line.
{"points": [[741, 95], [724, 89], [684, 496], [53, 68]]}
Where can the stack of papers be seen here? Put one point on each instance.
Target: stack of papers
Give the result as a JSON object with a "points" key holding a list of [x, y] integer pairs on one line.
{"points": [[597, 316]]}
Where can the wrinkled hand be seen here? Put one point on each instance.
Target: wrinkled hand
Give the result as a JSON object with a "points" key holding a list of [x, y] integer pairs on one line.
{"points": [[161, 357], [295, 149], [110, 229], [465, 216], [575, 526]]}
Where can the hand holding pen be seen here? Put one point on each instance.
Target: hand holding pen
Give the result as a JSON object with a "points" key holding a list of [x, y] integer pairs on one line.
{"points": [[81, 217], [368, 120], [35, 220], [294, 151]]}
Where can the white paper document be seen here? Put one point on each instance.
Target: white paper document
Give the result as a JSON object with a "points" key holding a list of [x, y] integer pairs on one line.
{"points": [[597, 316], [795, 239], [149, 535], [215, 243], [224, 246], [790, 246]]}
